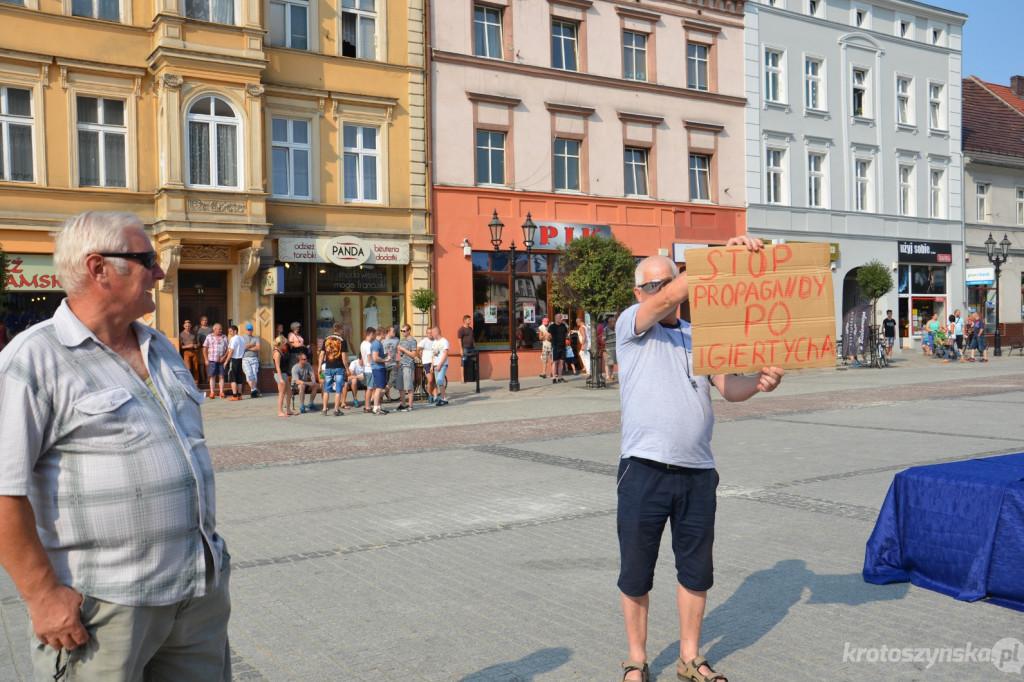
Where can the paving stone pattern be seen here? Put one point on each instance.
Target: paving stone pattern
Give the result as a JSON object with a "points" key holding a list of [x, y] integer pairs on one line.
{"points": [[477, 541]]}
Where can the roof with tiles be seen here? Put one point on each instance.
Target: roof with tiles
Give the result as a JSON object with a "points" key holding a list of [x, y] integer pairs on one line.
{"points": [[993, 118]]}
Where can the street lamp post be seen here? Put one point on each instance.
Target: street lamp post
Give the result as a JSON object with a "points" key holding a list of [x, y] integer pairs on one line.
{"points": [[997, 259], [529, 233]]}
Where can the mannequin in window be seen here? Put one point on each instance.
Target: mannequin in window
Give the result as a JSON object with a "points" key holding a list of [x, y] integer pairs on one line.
{"points": [[371, 315], [346, 319]]}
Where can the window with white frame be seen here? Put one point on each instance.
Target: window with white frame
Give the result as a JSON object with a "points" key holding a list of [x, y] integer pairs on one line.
{"points": [[567, 164], [905, 28], [217, 11], [564, 43], [634, 56], [774, 75], [289, 24], [290, 156], [213, 132], [487, 32], [904, 100], [936, 36], [981, 194], [700, 177], [636, 172], [16, 133], [108, 10], [359, 29], [774, 176], [936, 117], [937, 191], [905, 196], [362, 163], [490, 157], [102, 137], [1020, 205], [816, 179], [20, 3], [814, 86], [862, 196], [860, 17], [816, 8], [861, 91], [697, 66]]}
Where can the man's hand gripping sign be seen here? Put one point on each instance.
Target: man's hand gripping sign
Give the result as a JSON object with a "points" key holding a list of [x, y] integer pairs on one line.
{"points": [[752, 309]]}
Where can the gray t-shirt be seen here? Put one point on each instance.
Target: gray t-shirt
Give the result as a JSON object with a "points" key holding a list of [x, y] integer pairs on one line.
{"points": [[390, 348], [303, 372], [410, 345], [664, 416]]}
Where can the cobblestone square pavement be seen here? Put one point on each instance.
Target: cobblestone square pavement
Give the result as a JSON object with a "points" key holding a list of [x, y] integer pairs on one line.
{"points": [[477, 541]]}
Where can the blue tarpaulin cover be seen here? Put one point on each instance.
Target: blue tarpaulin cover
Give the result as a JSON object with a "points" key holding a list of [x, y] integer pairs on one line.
{"points": [[955, 528]]}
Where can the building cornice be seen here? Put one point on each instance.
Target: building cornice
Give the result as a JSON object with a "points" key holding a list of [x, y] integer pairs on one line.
{"points": [[584, 78], [572, 109], [502, 100]]}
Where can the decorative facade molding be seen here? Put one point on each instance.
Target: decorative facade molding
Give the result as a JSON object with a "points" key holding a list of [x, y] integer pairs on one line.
{"points": [[172, 81], [254, 90], [170, 257], [205, 252], [501, 100], [215, 206], [571, 109], [249, 259], [629, 117]]}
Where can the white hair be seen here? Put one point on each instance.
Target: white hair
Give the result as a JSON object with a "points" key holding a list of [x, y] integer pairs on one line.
{"points": [[638, 274], [90, 232]]}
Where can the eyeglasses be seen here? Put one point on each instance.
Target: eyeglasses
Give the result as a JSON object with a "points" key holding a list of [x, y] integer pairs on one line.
{"points": [[148, 259], [655, 285]]}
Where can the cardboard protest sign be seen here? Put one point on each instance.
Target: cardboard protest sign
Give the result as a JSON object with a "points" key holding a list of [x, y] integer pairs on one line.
{"points": [[772, 307]]}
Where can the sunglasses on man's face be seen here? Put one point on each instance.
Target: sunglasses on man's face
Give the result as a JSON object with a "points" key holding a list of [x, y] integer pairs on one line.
{"points": [[148, 259], [654, 286]]}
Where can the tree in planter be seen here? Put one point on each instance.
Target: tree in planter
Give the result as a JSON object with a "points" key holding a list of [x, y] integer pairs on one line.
{"points": [[423, 300], [875, 281], [596, 275]]}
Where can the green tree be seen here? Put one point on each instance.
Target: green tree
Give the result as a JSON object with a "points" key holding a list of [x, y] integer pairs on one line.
{"points": [[595, 274], [423, 300], [875, 281]]}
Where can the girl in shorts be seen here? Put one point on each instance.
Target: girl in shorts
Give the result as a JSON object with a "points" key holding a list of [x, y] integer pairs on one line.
{"points": [[282, 377]]}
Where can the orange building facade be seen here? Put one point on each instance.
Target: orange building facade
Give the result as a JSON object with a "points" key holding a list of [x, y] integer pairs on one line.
{"points": [[463, 214]]}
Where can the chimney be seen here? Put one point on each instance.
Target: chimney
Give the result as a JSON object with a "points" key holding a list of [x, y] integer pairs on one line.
{"points": [[1017, 85]]}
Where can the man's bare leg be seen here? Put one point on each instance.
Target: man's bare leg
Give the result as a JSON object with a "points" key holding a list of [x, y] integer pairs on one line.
{"points": [[691, 616], [634, 612]]}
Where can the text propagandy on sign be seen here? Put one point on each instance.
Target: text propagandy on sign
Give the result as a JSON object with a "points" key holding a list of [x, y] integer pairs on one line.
{"points": [[754, 309]]}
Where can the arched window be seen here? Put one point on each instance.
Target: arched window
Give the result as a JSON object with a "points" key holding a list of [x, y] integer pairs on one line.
{"points": [[212, 142]]}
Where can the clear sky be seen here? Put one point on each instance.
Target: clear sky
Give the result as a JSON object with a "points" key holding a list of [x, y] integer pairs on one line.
{"points": [[993, 49]]}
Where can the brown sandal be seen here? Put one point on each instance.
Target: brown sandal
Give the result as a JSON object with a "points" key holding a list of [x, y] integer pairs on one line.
{"points": [[690, 672], [630, 666]]}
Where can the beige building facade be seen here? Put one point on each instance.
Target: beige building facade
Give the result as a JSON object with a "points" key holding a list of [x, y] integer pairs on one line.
{"points": [[275, 150]]}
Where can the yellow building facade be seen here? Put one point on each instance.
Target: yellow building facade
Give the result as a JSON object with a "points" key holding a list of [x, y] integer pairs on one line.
{"points": [[274, 149]]}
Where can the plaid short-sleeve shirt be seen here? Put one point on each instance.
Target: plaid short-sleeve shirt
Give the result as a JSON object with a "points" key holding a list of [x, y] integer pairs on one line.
{"points": [[120, 479]]}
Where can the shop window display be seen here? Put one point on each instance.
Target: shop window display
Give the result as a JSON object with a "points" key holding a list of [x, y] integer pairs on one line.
{"points": [[491, 298]]}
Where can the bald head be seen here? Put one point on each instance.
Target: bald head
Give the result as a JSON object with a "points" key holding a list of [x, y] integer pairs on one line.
{"points": [[653, 267]]}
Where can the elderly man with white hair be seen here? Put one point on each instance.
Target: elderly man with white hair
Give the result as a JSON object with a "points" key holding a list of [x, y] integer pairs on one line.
{"points": [[667, 471], [107, 512]]}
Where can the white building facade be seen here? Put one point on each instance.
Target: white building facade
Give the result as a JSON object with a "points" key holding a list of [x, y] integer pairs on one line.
{"points": [[853, 138]]}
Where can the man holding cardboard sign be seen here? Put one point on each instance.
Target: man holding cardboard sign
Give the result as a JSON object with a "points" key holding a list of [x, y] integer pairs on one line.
{"points": [[667, 470]]}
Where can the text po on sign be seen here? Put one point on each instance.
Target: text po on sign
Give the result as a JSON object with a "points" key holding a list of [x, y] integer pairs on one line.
{"points": [[752, 309]]}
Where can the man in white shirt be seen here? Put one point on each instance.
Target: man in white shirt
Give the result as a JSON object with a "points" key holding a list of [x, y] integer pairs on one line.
{"points": [[107, 500], [426, 347], [440, 362], [236, 346]]}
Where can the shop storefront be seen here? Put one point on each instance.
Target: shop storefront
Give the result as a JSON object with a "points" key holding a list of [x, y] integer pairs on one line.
{"points": [[981, 295], [357, 282], [492, 282], [922, 281], [33, 292]]}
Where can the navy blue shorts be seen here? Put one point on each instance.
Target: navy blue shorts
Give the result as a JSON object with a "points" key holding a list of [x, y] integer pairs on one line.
{"points": [[557, 353], [380, 377], [651, 493]]}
